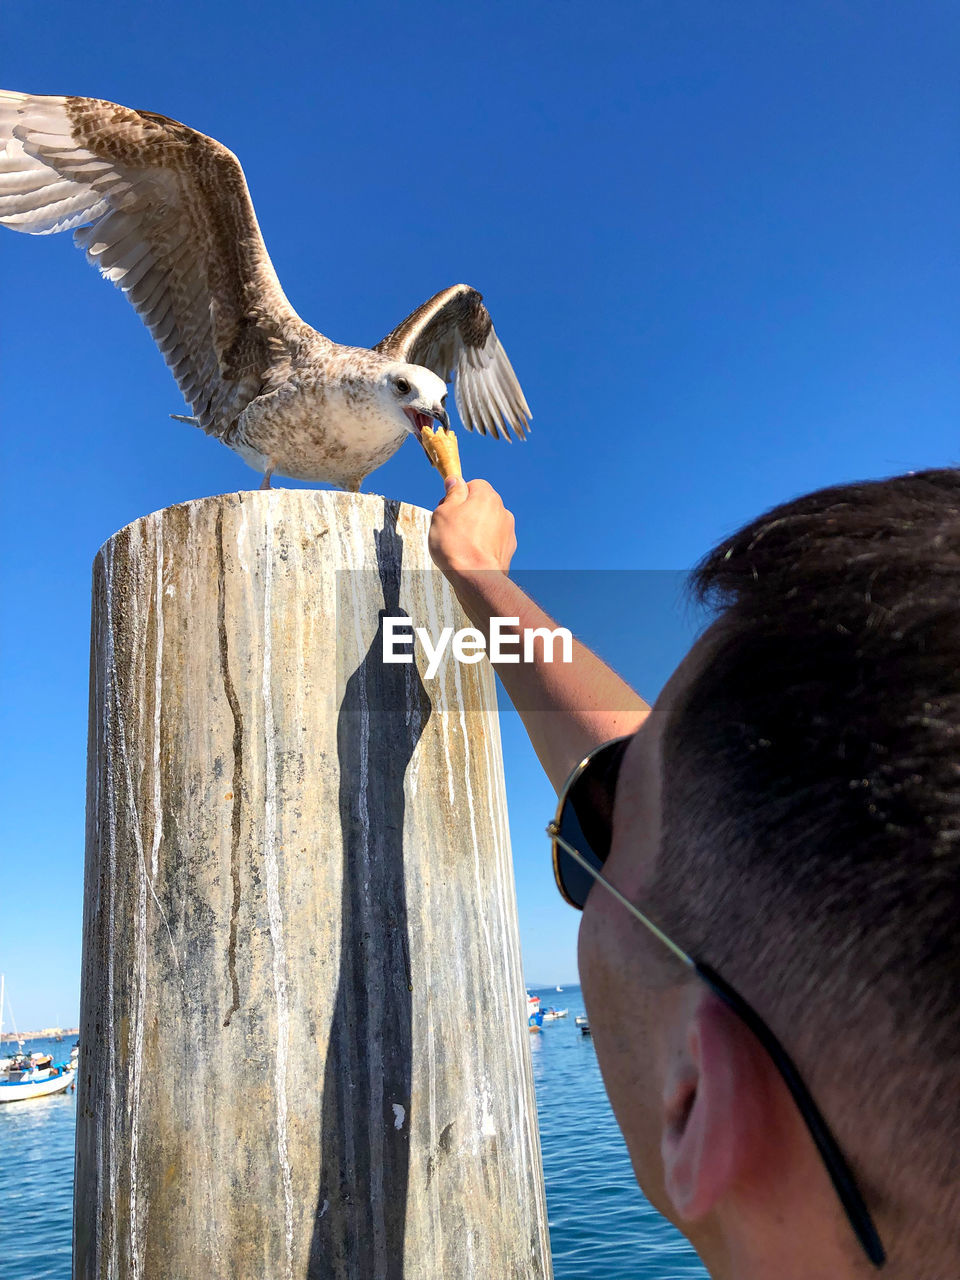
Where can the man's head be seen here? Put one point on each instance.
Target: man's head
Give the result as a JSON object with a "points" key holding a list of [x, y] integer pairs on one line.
{"points": [[791, 813]]}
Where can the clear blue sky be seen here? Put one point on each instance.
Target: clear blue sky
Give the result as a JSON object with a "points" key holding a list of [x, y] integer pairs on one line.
{"points": [[723, 233]]}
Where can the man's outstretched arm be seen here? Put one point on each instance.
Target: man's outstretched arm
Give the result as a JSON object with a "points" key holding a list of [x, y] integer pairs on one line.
{"points": [[567, 708]]}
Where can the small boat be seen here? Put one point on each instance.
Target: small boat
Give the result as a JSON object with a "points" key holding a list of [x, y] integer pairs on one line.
{"points": [[585, 1029], [559, 988], [534, 1016], [28, 1081], [551, 1014], [30, 1075], [582, 1020]]}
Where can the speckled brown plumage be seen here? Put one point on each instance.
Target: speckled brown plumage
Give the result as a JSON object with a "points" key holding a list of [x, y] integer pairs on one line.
{"points": [[164, 212]]}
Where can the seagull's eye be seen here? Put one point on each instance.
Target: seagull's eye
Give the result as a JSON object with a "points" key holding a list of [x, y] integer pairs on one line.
{"points": [[403, 386]]}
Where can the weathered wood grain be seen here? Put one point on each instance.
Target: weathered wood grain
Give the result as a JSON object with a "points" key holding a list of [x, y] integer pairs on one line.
{"points": [[304, 1050]]}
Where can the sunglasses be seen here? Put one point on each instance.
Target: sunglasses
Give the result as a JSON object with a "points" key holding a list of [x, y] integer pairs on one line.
{"points": [[580, 837]]}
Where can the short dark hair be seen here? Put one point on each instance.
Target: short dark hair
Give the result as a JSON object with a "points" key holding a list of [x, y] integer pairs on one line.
{"points": [[811, 802]]}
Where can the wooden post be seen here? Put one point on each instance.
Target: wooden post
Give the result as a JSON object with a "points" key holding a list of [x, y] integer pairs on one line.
{"points": [[303, 1034]]}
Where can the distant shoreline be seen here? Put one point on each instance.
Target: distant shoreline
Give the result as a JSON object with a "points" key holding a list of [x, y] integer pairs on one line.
{"points": [[48, 1033]]}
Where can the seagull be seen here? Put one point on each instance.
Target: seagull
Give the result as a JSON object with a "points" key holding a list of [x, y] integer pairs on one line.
{"points": [[165, 214]]}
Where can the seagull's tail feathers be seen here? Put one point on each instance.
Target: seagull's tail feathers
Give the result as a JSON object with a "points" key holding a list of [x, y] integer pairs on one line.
{"points": [[183, 417]]}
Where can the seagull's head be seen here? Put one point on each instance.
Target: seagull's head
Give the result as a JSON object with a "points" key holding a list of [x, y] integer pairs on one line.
{"points": [[415, 393]]}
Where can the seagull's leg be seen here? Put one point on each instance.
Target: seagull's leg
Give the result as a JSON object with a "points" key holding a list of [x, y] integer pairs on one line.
{"points": [[265, 483]]}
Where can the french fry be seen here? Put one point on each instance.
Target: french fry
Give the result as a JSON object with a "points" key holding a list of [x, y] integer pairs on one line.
{"points": [[443, 451]]}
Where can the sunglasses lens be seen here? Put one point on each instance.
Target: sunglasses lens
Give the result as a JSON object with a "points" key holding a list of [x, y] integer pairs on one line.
{"points": [[586, 821]]}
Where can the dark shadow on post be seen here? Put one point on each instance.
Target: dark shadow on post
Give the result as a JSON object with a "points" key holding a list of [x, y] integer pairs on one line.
{"points": [[359, 1224]]}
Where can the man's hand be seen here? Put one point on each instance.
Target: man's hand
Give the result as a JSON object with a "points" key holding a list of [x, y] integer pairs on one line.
{"points": [[471, 530]]}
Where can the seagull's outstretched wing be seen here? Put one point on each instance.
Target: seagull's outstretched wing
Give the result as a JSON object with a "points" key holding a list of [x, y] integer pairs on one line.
{"points": [[164, 212], [453, 335]]}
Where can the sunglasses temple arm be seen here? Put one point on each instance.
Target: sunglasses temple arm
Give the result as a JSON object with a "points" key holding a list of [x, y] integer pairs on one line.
{"points": [[840, 1173], [624, 902]]}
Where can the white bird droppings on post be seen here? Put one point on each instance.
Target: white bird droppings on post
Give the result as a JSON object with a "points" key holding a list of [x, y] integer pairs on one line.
{"points": [[272, 876], [487, 1127], [399, 1115], [157, 523]]}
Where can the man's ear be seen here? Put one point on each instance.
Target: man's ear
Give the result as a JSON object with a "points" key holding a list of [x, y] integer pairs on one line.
{"points": [[717, 1102]]}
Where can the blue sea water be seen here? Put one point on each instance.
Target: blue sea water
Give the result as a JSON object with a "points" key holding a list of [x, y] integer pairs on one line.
{"points": [[601, 1228], [36, 1178]]}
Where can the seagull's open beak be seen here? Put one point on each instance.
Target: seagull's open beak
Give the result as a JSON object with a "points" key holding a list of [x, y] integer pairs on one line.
{"points": [[422, 419]]}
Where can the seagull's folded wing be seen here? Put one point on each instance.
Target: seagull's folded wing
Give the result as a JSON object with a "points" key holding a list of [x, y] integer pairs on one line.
{"points": [[164, 213], [453, 335]]}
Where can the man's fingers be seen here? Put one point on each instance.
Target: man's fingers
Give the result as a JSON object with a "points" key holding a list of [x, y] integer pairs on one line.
{"points": [[480, 536], [456, 491]]}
